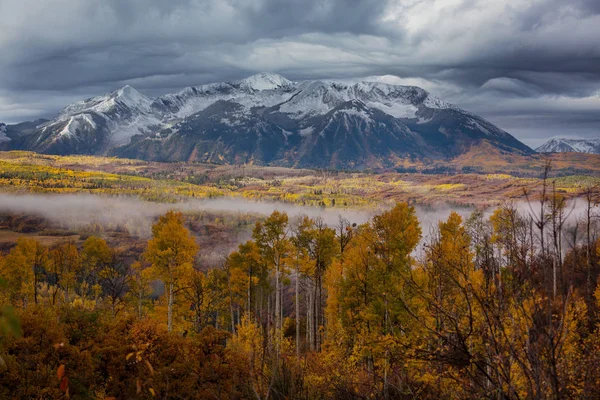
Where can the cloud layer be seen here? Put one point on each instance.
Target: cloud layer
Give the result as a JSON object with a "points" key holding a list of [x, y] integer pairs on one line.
{"points": [[530, 66]]}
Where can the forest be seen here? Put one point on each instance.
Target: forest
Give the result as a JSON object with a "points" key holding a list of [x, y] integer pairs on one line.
{"points": [[502, 306]]}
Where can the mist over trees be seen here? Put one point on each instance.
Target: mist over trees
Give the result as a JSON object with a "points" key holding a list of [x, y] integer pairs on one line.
{"points": [[504, 307]]}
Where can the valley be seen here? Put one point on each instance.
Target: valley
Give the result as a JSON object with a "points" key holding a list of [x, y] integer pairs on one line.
{"points": [[498, 178], [68, 198]]}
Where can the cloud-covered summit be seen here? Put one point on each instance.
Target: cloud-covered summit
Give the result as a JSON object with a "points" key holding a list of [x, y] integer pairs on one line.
{"points": [[530, 66]]}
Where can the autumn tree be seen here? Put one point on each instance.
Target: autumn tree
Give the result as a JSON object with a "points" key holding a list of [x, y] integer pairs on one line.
{"points": [[65, 266], [171, 252], [23, 268], [245, 272], [317, 241], [371, 291], [271, 236], [96, 255], [139, 286]]}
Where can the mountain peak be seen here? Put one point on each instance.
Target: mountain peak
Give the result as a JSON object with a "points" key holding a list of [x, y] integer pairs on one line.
{"points": [[131, 97], [562, 145], [265, 81], [126, 89]]}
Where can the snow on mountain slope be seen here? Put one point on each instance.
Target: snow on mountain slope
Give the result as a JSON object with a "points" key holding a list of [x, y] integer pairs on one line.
{"points": [[123, 113], [319, 97], [125, 97], [260, 90], [560, 145], [76, 124], [269, 119], [299, 99], [3, 137]]}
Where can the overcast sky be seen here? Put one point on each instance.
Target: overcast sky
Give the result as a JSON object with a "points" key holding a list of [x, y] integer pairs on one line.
{"points": [[530, 66]]}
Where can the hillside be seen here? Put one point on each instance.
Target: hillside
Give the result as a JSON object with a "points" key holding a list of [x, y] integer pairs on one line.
{"points": [[175, 182]]}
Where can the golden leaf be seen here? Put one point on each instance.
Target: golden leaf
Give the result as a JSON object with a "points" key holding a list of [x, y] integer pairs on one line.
{"points": [[60, 372], [149, 367]]}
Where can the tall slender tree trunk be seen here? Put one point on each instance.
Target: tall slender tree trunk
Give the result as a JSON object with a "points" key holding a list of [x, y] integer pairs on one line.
{"points": [[170, 307], [140, 310], [318, 313], [277, 300], [249, 294], [232, 316], [35, 286], [269, 311], [311, 307], [308, 314], [298, 312], [590, 288]]}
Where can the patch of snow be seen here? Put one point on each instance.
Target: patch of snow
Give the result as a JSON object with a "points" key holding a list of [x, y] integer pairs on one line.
{"points": [[396, 110], [313, 98], [66, 131], [227, 121], [435, 103], [126, 96], [88, 120], [356, 113], [477, 126], [265, 81], [306, 131], [586, 146], [83, 105], [123, 131], [3, 137], [79, 122]]}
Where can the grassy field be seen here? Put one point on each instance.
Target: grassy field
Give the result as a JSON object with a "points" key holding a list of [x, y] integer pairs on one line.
{"points": [[171, 182]]}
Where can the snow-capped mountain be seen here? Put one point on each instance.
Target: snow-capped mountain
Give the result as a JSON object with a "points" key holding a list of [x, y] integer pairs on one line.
{"points": [[268, 119], [558, 145], [95, 125]]}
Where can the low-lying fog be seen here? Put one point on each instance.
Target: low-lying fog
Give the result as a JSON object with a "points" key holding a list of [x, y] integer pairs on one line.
{"points": [[74, 211], [77, 211]]}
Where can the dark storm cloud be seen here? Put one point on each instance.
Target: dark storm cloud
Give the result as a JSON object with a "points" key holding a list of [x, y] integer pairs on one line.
{"points": [[521, 63]]}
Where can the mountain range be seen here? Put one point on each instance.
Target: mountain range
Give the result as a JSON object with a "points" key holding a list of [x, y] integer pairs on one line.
{"points": [[558, 145], [268, 120]]}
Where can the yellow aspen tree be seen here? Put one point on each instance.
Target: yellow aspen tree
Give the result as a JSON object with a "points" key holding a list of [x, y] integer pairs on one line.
{"points": [[271, 236], [23, 268], [171, 252]]}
